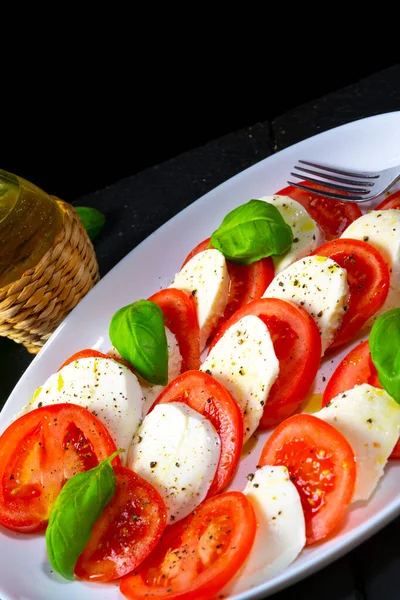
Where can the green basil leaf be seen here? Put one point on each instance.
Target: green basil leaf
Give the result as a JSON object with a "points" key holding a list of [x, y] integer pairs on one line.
{"points": [[138, 333], [252, 231], [76, 509], [384, 344], [92, 220]]}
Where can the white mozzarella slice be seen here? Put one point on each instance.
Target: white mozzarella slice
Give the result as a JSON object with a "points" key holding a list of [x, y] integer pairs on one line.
{"points": [[206, 277], [369, 419], [307, 236], [177, 450], [319, 285], [244, 362], [103, 386], [381, 229], [280, 533]]}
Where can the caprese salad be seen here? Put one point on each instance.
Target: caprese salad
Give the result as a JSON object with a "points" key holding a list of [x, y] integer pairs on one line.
{"points": [[125, 459]]}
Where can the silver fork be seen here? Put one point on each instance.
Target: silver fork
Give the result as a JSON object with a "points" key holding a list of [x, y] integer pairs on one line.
{"points": [[348, 186]]}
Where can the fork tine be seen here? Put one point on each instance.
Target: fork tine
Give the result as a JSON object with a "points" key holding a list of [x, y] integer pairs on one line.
{"points": [[349, 197], [335, 177], [343, 188], [340, 171]]}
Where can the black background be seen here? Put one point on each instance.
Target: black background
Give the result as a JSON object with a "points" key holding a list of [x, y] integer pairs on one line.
{"points": [[73, 132]]}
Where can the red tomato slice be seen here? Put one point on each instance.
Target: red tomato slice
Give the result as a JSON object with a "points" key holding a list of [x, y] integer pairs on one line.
{"points": [[204, 394], [297, 345], [392, 201], [368, 278], [90, 353], [128, 530], [180, 316], [355, 369], [332, 216], [199, 248], [247, 282], [39, 452], [321, 465], [199, 555], [86, 353]]}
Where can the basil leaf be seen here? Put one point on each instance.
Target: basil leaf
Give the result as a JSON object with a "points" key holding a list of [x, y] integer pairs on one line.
{"points": [[384, 344], [138, 333], [252, 231], [76, 509], [92, 220]]}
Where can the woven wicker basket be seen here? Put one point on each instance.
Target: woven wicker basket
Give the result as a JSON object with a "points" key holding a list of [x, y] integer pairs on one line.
{"points": [[32, 307]]}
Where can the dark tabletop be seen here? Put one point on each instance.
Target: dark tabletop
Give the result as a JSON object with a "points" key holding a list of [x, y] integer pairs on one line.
{"points": [[138, 205]]}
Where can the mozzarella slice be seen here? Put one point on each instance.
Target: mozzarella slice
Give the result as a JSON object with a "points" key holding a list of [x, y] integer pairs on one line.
{"points": [[369, 419], [206, 277], [103, 386], [280, 533], [319, 285], [177, 450], [244, 362], [381, 229], [307, 236]]}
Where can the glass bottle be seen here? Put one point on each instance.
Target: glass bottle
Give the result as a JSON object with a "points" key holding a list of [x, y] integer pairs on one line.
{"points": [[29, 221]]}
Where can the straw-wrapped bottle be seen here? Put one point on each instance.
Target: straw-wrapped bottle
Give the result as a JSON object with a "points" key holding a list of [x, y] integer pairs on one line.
{"points": [[47, 262]]}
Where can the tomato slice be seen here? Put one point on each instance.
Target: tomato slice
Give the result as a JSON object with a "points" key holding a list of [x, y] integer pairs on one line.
{"points": [[128, 530], [321, 465], [204, 245], [392, 201], [180, 316], [355, 369], [247, 282], [368, 278], [199, 555], [207, 396], [297, 345], [332, 216], [39, 452], [90, 353], [86, 353]]}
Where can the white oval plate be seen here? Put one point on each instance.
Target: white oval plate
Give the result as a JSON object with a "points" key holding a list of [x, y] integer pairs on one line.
{"points": [[372, 143]]}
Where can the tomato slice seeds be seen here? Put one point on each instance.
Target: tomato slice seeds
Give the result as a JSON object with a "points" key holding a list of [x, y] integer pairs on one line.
{"points": [[199, 555], [128, 530], [39, 452], [321, 465]]}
